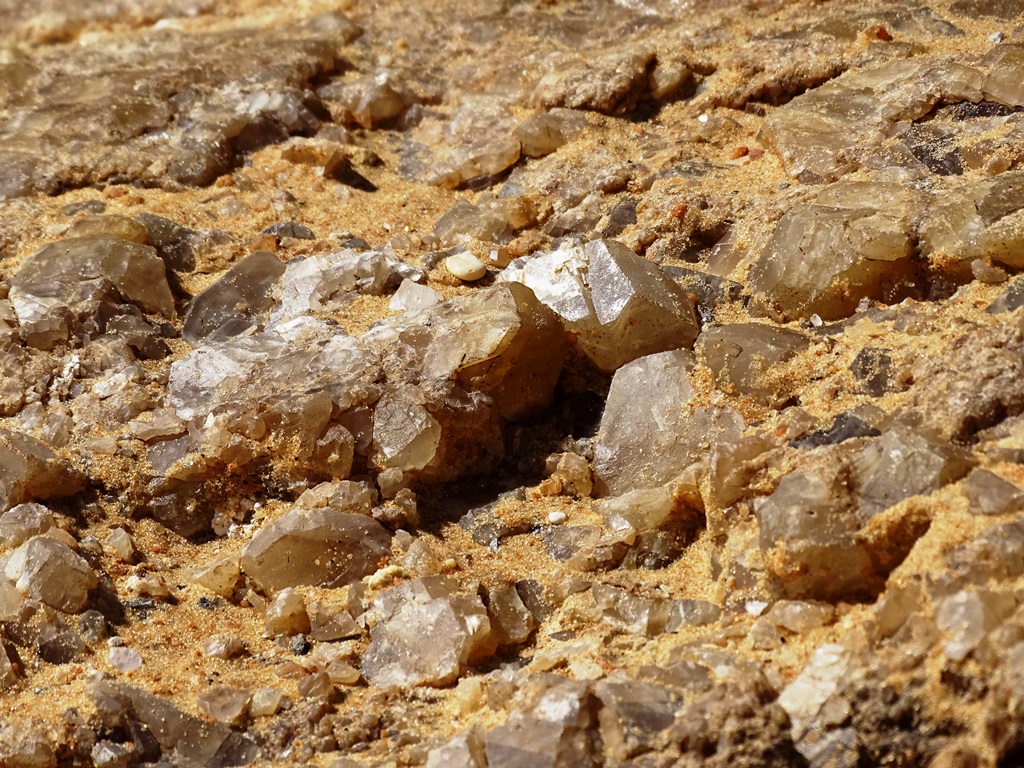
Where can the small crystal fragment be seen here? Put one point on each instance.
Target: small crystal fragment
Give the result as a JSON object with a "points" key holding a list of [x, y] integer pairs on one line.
{"points": [[225, 704], [47, 570], [990, 494]]}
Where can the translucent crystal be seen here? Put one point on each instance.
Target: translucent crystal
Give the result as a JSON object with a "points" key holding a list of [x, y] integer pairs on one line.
{"points": [[49, 571], [286, 614], [319, 546], [903, 463], [619, 305], [649, 432], [20, 523], [742, 355], [823, 258], [987, 493], [968, 616], [543, 133], [58, 290], [225, 704], [236, 303], [426, 633]]}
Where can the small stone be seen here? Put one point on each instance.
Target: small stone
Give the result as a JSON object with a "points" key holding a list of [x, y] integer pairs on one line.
{"points": [[124, 659], [265, 702], [224, 647], [108, 754], [990, 494], [292, 229], [986, 272], [747, 357], [873, 369], [147, 585], [968, 616], [465, 266], [225, 704], [286, 614], [120, 543], [543, 133], [47, 570], [112, 225], [342, 673], [799, 616]]}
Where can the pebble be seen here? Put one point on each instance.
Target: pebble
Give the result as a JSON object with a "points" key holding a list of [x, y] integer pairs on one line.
{"points": [[557, 517], [465, 266], [125, 659]]}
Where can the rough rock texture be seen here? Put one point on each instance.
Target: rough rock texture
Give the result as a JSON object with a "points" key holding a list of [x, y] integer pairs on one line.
{"points": [[588, 383]]}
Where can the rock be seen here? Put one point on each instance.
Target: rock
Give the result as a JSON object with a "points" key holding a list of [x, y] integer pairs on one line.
{"points": [[121, 544], [644, 509], [634, 715], [331, 622], [173, 731], [124, 659], [26, 746], [426, 632], [612, 83], [987, 493], [20, 523], [108, 754], [265, 702], [368, 99], [845, 426], [224, 647], [873, 369], [225, 704], [293, 229], [237, 303], [323, 547], [619, 305], [32, 471], [745, 356], [975, 221], [853, 242], [511, 622], [220, 576], [465, 266], [465, 750], [465, 221], [903, 463], [968, 616], [286, 614], [318, 283], [110, 225], [413, 297], [49, 571], [649, 432], [1010, 299], [543, 133], [58, 291], [799, 616]]}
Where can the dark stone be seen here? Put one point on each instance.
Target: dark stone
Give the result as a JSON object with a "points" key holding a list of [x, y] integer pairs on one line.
{"points": [[86, 206], [873, 370], [290, 229], [844, 427]]}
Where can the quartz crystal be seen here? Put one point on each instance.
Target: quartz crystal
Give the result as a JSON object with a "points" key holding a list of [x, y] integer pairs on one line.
{"points": [[742, 355], [58, 291], [49, 571], [426, 632], [649, 431], [853, 242], [618, 305], [321, 546]]}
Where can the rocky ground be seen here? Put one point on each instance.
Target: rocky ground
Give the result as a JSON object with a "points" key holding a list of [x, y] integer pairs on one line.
{"points": [[511, 384]]}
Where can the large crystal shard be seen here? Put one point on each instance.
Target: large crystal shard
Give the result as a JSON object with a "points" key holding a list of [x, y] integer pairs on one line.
{"points": [[853, 242], [500, 341], [983, 219], [404, 432], [650, 431], [321, 546], [903, 463], [634, 714], [29, 470], [830, 130], [58, 291], [619, 306], [236, 303], [818, 552], [426, 633], [49, 571], [179, 736], [312, 285], [745, 355]]}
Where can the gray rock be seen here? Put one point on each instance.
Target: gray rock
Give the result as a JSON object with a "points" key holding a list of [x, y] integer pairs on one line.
{"points": [[49, 571]]}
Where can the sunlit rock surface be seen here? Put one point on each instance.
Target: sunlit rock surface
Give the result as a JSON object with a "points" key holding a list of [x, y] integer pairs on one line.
{"points": [[619, 306]]}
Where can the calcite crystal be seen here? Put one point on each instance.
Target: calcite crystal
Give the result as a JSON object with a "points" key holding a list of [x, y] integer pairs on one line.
{"points": [[619, 306]]}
